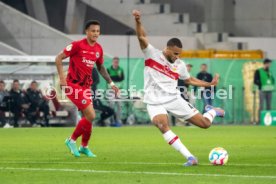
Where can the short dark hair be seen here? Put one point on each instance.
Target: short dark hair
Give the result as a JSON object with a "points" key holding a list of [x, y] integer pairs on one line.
{"points": [[33, 82], [174, 42], [15, 80], [267, 61], [91, 22], [2, 82], [203, 64], [116, 58]]}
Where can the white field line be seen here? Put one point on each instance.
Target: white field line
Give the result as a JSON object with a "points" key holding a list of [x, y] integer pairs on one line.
{"points": [[125, 163], [138, 172]]}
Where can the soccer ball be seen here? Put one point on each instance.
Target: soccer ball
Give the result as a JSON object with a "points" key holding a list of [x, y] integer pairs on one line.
{"points": [[218, 156]]}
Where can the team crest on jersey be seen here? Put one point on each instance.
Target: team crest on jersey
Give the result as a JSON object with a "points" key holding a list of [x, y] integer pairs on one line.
{"points": [[97, 54], [83, 101], [69, 47], [174, 68]]}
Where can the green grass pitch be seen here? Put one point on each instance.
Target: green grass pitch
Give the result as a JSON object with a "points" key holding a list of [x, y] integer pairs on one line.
{"points": [[138, 155]]}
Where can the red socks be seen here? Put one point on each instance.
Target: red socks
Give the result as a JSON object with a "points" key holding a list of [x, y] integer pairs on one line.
{"points": [[84, 128], [86, 133]]}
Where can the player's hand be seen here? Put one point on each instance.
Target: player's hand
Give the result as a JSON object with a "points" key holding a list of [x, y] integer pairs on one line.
{"points": [[215, 80], [136, 14], [116, 90]]}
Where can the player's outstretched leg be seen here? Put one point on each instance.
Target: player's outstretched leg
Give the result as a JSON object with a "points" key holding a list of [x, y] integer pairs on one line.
{"points": [[205, 120], [161, 122], [83, 128], [71, 142], [89, 115], [219, 111], [85, 139]]}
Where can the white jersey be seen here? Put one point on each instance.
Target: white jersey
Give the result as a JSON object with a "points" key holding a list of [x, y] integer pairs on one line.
{"points": [[160, 76]]}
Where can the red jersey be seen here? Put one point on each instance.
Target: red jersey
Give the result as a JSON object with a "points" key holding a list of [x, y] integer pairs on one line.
{"points": [[82, 59]]}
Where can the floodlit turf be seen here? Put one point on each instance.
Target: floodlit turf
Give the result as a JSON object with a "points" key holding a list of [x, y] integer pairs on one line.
{"points": [[137, 155]]}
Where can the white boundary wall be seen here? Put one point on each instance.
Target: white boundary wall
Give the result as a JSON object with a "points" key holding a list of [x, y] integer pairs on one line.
{"points": [[268, 45]]}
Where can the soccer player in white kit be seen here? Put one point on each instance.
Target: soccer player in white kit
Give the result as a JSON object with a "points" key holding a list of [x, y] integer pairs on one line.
{"points": [[162, 70]]}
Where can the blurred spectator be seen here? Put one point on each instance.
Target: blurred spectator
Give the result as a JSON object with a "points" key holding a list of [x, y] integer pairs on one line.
{"points": [[264, 79], [4, 106], [106, 111], [117, 75], [17, 102], [37, 103], [206, 93]]}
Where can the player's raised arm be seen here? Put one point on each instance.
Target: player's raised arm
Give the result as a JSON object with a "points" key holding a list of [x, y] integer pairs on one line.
{"points": [[140, 31], [196, 82], [61, 56]]}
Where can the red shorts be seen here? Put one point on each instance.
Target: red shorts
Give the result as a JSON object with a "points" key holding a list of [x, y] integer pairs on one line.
{"points": [[80, 96]]}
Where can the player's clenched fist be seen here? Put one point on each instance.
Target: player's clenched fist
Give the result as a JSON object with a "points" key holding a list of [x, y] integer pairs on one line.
{"points": [[136, 14], [215, 80]]}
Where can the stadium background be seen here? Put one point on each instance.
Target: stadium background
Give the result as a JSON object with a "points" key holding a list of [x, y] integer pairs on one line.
{"points": [[231, 71], [215, 32]]}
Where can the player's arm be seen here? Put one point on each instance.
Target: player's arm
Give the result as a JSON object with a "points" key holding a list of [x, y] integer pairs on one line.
{"points": [[140, 31], [61, 56], [102, 70], [200, 83]]}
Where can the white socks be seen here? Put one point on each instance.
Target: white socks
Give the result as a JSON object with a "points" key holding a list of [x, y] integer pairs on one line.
{"points": [[211, 114], [72, 141], [175, 142]]}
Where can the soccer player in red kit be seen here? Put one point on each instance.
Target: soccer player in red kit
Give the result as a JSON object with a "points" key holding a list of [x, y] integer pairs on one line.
{"points": [[84, 54]]}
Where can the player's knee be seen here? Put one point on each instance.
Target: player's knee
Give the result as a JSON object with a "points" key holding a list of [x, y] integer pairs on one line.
{"points": [[90, 117], [157, 123], [163, 127]]}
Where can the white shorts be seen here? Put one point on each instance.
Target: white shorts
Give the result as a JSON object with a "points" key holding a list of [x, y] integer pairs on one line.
{"points": [[179, 108]]}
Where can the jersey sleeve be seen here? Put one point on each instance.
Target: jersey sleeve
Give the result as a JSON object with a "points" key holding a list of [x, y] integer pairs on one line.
{"points": [[183, 72], [71, 49], [149, 51], [100, 60]]}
